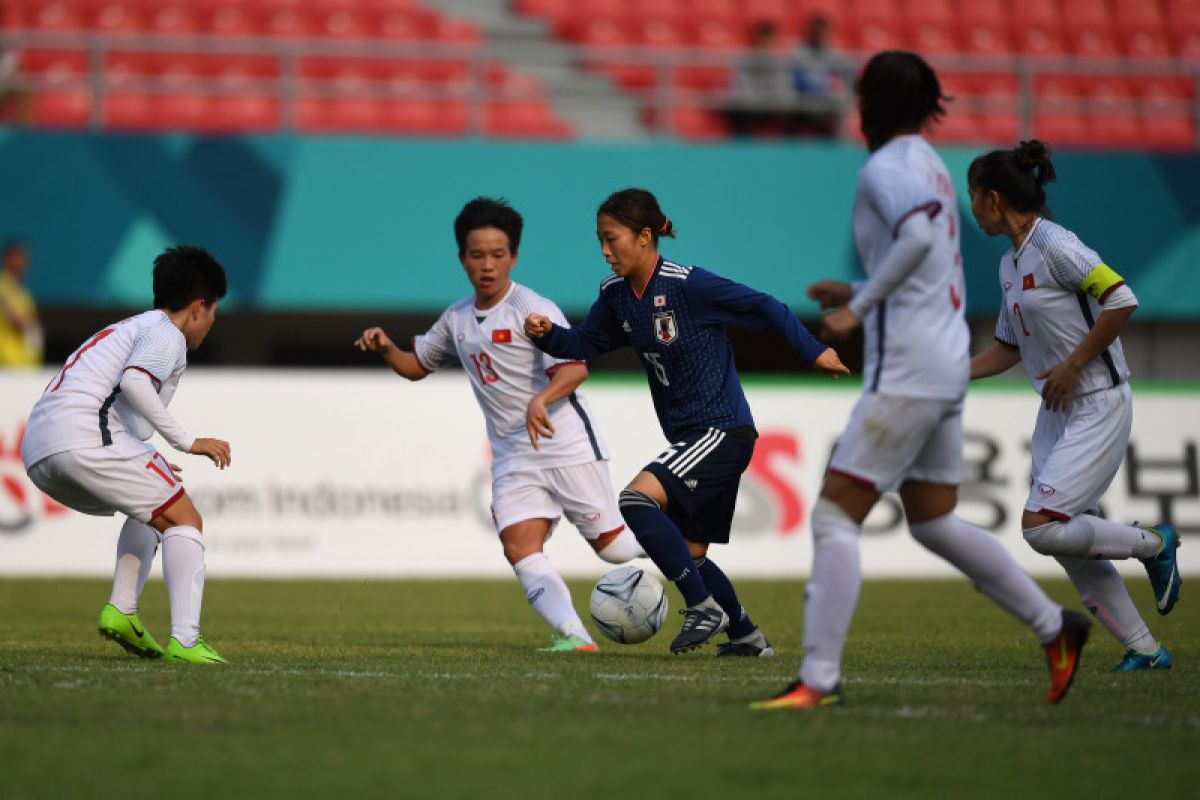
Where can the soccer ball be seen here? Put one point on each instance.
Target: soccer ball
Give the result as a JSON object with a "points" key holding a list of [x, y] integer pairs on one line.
{"points": [[628, 605]]}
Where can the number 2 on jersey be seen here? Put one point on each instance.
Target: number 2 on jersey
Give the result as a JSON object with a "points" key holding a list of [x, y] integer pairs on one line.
{"points": [[483, 366]]}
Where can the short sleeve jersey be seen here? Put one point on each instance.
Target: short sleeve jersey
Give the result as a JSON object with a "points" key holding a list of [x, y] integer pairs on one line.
{"points": [[677, 326], [916, 340], [506, 371], [1055, 288], [78, 409]]}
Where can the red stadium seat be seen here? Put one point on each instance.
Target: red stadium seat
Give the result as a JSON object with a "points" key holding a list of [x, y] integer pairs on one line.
{"points": [[454, 30], [118, 16], [1039, 40], [1093, 13], [343, 23], [1093, 42], [984, 12], [63, 99], [938, 12], [697, 124], [1042, 13], [1059, 111], [1114, 119], [957, 126], [723, 35], [288, 22], [880, 12], [660, 33], [402, 25], [718, 9], [525, 119], [1137, 13], [776, 11], [52, 15], [1183, 14], [874, 36], [1145, 43], [173, 19], [930, 38], [1166, 108], [695, 78], [229, 18], [986, 39]]}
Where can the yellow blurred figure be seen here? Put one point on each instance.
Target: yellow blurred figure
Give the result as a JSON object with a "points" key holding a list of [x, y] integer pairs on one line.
{"points": [[20, 331]]}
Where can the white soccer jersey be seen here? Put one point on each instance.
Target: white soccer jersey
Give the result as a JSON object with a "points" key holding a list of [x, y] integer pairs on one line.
{"points": [[916, 340], [1055, 288], [506, 370], [81, 407]]}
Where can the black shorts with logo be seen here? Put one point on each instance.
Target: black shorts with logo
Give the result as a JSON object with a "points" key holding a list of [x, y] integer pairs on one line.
{"points": [[701, 475]]}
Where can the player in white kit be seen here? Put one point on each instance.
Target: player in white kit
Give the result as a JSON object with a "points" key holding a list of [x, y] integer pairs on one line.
{"points": [[86, 446], [1062, 312], [906, 430], [548, 459]]}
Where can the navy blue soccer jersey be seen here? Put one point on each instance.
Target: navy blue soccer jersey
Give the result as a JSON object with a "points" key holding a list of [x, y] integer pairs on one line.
{"points": [[677, 327]]}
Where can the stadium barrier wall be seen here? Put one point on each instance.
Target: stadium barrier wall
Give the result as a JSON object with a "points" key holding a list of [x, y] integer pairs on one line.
{"points": [[335, 224], [360, 474]]}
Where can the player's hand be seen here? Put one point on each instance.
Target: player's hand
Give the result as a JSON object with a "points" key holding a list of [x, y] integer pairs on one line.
{"points": [[537, 421], [537, 326], [829, 363], [831, 294], [839, 324], [373, 340], [1061, 380], [215, 449], [175, 467]]}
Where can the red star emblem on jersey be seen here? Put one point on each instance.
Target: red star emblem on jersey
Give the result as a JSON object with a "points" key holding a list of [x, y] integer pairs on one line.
{"points": [[502, 336], [1027, 282]]}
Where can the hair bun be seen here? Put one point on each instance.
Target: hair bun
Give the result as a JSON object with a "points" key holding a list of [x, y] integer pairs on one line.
{"points": [[1034, 156]]}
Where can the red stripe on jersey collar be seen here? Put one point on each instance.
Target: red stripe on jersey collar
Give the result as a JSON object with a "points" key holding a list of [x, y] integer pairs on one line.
{"points": [[650, 280]]}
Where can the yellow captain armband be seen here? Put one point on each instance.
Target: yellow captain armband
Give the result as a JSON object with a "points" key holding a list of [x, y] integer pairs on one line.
{"points": [[1101, 281]]}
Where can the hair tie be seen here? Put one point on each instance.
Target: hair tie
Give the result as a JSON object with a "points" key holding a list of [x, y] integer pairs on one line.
{"points": [[666, 225]]}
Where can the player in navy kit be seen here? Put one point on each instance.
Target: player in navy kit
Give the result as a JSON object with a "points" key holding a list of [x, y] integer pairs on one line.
{"points": [[674, 316]]}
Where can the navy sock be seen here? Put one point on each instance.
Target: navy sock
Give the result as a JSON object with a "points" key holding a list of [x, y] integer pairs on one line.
{"points": [[664, 544], [722, 591]]}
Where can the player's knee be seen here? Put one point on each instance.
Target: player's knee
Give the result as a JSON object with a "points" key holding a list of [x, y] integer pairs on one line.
{"points": [[1048, 539], [830, 521], [624, 547], [631, 501], [183, 532], [933, 532]]}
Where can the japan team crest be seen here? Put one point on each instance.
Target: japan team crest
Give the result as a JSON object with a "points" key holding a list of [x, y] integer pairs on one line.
{"points": [[665, 329]]}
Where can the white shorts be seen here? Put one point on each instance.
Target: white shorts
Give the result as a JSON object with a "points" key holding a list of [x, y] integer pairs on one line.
{"points": [[890, 440], [582, 492], [100, 482], [1076, 455]]}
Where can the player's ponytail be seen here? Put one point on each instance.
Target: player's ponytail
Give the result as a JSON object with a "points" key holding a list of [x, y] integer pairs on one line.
{"points": [[638, 209], [1018, 175]]}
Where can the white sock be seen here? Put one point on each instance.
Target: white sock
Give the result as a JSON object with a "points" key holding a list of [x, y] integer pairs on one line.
{"points": [[183, 571], [977, 554], [549, 596], [135, 555], [624, 547], [1104, 593], [1086, 536], [831, 594]]}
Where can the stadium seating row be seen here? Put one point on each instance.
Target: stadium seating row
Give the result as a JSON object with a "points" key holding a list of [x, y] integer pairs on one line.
{"points": [[229, 92], [385, 20]]}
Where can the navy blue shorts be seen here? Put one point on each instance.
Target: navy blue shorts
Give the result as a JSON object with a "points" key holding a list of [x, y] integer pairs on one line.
{"points": [[701, 475]]}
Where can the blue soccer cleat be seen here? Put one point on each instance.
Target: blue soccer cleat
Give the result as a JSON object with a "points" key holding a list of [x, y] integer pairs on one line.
{"points": [[1136, 661], [1163, 569]]}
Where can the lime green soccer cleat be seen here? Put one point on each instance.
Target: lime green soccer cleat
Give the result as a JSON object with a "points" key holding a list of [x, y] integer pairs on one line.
{"points": [[129, 632], [199, 653], [569, 644]]}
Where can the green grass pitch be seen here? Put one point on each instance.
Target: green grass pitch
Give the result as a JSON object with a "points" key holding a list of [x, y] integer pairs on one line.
{"points": [[413, 689]]}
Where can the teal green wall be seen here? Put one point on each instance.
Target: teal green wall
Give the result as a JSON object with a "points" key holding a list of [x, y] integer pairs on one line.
{"points": [[344, 223]]}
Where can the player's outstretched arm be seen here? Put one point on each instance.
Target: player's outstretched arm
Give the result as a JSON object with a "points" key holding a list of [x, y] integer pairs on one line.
{"points": [[829, 363], [566, 379], [830, 294], [216, 450], [998, 358], [402, 362]]}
